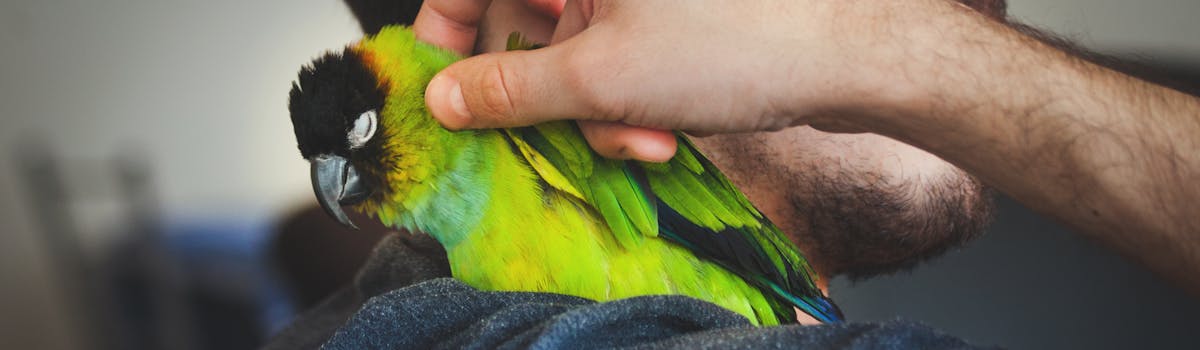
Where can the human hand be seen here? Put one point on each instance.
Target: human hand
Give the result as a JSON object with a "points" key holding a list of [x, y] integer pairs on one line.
{"points": [[706, 67], [456, 25]]}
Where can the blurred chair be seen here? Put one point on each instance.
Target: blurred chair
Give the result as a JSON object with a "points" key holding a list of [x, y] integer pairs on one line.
{"points": [[134, 281], [120, 301]]}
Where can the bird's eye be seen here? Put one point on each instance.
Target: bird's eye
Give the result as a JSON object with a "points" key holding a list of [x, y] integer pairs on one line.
{"points": [[364, 128]]}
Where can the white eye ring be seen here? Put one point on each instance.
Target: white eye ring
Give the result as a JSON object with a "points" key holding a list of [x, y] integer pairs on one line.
{"points": [[364, 129]]}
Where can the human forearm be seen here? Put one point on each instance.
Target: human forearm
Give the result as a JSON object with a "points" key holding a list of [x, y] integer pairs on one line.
{"points": [[1103, 152], [1113, 156]]}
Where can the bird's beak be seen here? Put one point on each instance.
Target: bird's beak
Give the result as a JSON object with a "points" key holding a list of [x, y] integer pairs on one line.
{"points": [[336, 182]]}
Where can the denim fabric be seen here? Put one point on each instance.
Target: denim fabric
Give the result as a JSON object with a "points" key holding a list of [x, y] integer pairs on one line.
{"points": [[402, 300], [446, 314]]}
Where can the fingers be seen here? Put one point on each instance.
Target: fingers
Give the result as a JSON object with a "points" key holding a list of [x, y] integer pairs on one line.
{"points": [[551, 8], [572, 20], [521, 88], [505, 89], [451, 24], [621, 141]]}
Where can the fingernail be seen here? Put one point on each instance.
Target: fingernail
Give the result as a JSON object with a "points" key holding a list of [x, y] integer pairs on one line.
{"points": [[650, 145], [450, 92], [654, 152]]}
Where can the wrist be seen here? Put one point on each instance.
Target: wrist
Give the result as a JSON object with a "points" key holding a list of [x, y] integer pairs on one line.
{"points": [[939, 67], [875, 67]]}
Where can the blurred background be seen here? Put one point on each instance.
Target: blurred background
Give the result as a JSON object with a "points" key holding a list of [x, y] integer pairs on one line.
{"points": [[148, 161]]}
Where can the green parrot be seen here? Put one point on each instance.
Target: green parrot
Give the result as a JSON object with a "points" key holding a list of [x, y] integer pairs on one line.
{"points": [[534, 208]]}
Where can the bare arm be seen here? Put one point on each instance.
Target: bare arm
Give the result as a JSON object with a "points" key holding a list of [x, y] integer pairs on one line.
{"points": [[1113, 156]]}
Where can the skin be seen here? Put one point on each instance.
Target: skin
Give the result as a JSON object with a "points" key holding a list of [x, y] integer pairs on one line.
{"points": [[770, 167], [1113, 156]]}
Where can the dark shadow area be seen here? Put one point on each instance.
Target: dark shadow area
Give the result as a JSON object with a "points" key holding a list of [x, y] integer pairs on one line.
{"points": [[315, 255], [1030, 283]]}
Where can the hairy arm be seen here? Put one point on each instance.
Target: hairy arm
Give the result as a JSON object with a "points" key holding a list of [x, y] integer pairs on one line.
{"points": [[1113, 156], [1108, 154]]}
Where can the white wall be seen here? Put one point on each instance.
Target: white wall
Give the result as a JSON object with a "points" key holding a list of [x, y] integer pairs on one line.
{"points": [[1149, 26], [200, 87]]}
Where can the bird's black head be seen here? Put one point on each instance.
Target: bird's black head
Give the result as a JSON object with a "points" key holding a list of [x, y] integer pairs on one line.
{"points": [[336, 106], [327, 100]]}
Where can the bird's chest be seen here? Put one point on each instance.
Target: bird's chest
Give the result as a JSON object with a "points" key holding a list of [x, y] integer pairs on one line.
{"points": [[548, 247]]}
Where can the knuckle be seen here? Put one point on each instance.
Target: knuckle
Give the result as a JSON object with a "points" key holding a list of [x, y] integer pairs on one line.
{"points": [[495, 94], [585, 77]]}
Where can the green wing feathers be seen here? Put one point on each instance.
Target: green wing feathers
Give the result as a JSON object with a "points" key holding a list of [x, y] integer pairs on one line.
{"points": [[517, 41], [616, 191], [702, 210], [685, 200]]}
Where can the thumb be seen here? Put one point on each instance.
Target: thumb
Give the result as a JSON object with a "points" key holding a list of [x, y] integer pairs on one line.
{"points": [[507, 89]]}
